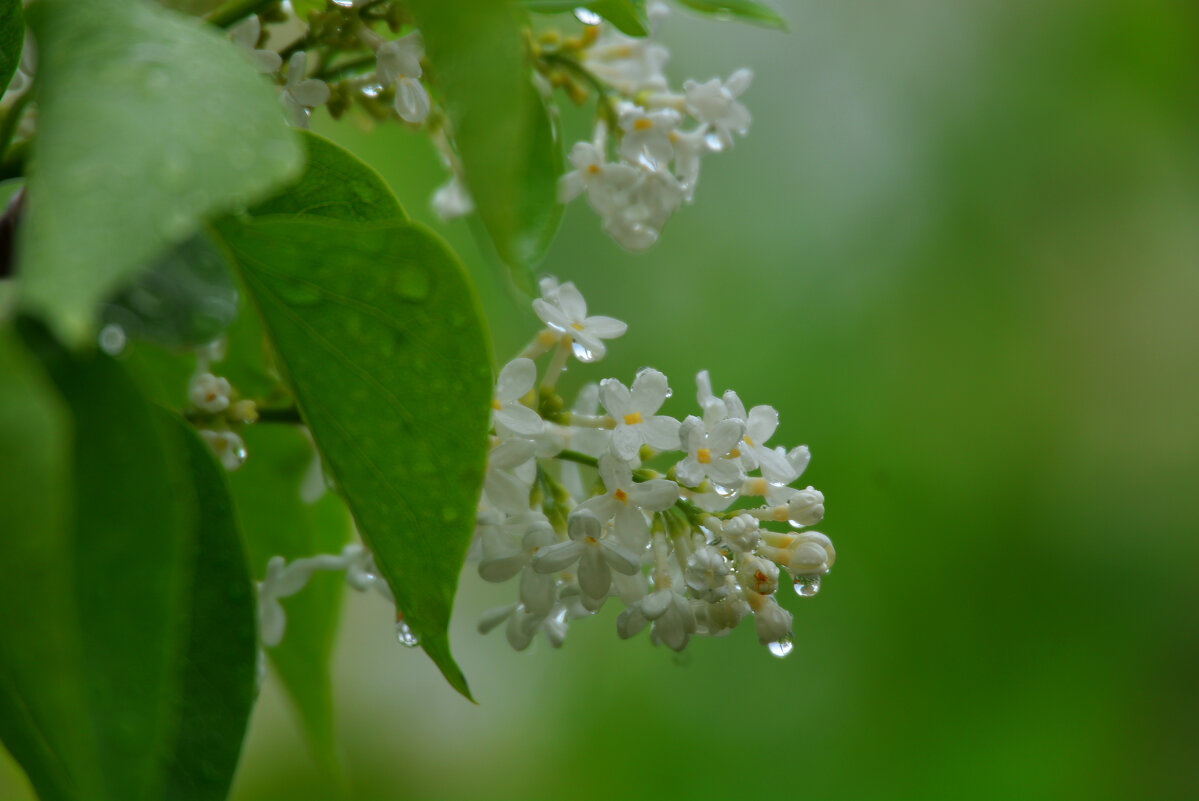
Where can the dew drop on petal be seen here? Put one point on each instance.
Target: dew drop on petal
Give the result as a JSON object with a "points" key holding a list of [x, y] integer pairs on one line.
{"points": [[344, 3], [405, 635], [587, 16], [781, 648], [807, 587], [372, 89], [582, 352], [112, 339], [714, 143]]}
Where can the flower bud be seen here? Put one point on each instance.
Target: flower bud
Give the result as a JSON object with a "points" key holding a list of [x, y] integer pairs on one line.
{"points": [[758, 575], [806, 507], [772, 622], [742, 532]]}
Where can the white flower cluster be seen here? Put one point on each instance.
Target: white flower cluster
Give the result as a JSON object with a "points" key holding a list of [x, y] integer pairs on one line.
{"points": [[299, 94], [215, 407], [659, 160], [581, 507]]}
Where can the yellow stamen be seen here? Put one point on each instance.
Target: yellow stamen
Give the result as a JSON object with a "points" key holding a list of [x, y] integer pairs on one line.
{"points": [[590, 540], [734, 453], [495, 404], [632, 419], [643, 124], [620, 495], [749, 441], [593, 168], [577, 326], [704, 456]]}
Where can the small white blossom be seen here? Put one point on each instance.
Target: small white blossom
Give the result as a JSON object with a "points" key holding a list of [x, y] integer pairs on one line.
{"points": [[209, 393], [626, 500], [452, 199], [245, 35], [758, 575], [710, 454], [229, 448], [772, 622], [596, 555], [565, 311], [715, 103], [398, 62], [510, 473], [508, 413], [301, 94], [634, 411], [647, 136]]}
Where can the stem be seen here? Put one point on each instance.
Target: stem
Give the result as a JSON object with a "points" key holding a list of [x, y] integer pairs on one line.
{"points": [[604, 103], [13, 165], [288, 414], [578, 458], [234, 11], [346, 69], [557, 364]]}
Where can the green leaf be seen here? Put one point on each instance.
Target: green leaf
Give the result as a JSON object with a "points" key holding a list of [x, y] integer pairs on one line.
{"points": [[145, 654], [12, 38], [747, 10], [276, 521], [148, 123], [627, 15], [510, 151], [218, 662], [41, 668], [379, 332]]}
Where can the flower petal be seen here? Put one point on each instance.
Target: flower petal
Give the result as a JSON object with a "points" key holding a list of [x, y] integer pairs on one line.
{"points": [[649, 391], [655, 495], [557, 557], [661, 432], [605, 327]]}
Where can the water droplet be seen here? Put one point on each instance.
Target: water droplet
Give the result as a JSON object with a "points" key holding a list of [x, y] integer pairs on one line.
{"points": [[372, 89], [344, 3], [112, 339], [411, 283], [781, 648], [807, 586], [587, 16], [405, 635], [712, 140], [299, 294], [582, 352]]}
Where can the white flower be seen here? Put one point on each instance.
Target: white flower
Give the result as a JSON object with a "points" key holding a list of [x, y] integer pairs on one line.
{"points": [[523, 624], [634, 413], [597, 556], [209, 393], [625, 500], [757, 574], [398, 62], [741, 532], [301, 95], [644, 208], [503, 558], [564, 310], [688, 146], [805, 507], [510, 473], [630, 65], [281, 581], [707, 573], [809, 554], [606, 184], [716, 104], [647, 135], [245, 35], [672, 616], [229, 448], [709, 453], [772, 622], [452, 199], [508, 413]]}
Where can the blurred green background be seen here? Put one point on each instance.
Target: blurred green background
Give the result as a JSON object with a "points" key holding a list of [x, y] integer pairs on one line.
{"points": [[959, 253]]}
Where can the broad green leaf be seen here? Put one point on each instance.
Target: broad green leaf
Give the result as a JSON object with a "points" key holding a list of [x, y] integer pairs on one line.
{"points": [[12, 39], [148, 123], [276, 520], [156, 607], [747, 10], [335, 184], [218, 662], [41, 670], [627, 15], [379, 332], [510, 151], [128, 553]]}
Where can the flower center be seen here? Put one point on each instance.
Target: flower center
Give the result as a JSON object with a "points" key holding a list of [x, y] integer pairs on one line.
{"points": [[704, 456], [621, 495], [734, 453], [643, 124], [577, 326], [632, 419], [495, 404], [593, 169]]}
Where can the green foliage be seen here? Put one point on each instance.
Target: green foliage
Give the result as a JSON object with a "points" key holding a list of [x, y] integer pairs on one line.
{"points": [[509, 149], [276, 521], [197, 133], [218, 662], [627, 15], [376, 326], [150, 592], [379, 334], [12, 38], [747, 10]]}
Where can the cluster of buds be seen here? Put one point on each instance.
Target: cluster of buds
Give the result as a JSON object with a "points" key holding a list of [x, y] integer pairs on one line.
{"points": [[688, 523], [657, 159], [217, 410]]}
